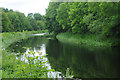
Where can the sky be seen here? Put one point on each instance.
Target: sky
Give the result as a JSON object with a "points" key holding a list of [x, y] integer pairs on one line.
{"points": [[26, 6]]}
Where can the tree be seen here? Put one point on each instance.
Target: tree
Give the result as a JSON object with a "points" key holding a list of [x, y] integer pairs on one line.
{"points": [[38, 16], [24, 22], [32, 22], [76, 14], [5, 22], [18, 21], [50, 19], [30, 15], [63, 17], [40, 25], [102, 19]]}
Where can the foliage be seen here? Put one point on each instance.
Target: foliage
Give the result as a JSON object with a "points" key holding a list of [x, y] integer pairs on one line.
{"points": [[38, 16], [50, 19], [14, 21], [37, 21], [76, 13], [62, 16], [85, 18], [33, 68], [18, 22], [5, 22]]}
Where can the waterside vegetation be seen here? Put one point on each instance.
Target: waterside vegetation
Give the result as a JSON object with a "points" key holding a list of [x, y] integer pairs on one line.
{"points": [[86, 20], [11, 37], [85, 39]]}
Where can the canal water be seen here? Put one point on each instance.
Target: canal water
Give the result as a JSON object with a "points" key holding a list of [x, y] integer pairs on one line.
{"points": [[82, 61]]}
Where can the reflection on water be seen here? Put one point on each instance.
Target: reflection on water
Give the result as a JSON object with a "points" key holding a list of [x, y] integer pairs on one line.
{"points": [[83, 61], [39, 34], [39, 47], [41, 52]]}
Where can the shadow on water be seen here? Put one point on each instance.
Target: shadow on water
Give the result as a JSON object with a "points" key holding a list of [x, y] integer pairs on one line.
{"points": [[34, 42], [83, 61]]}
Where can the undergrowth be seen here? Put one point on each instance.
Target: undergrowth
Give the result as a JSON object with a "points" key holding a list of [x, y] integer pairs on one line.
{"points": [[33, 68]]}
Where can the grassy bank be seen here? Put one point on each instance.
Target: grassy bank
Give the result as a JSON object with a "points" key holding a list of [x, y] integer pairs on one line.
{"points": [[11, 37], [77, 39]]}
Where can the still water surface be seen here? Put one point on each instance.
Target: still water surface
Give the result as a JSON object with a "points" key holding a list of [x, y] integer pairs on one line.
{"points": [[83, 61]]}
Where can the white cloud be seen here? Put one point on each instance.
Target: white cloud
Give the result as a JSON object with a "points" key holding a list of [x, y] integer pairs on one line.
{"points": [[26, 6]]}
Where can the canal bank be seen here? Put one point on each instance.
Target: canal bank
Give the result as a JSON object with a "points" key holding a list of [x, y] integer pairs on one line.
{"points": [[85, 39], [11, 37]]}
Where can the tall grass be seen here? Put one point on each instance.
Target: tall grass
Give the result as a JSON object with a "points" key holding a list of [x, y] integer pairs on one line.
{"points": [[84, 39]]}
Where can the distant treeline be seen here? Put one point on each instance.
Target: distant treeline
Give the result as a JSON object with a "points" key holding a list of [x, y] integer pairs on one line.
{"points": [[84, 18], [14, 21]]}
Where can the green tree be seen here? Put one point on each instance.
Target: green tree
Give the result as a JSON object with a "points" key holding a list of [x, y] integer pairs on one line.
{"points": [[32, 22], [50, 19], [76, 14], [41, 24], [5, 22], [102, 19], [63, 17], [18, 21], [37, 16], [24, 22], [30, 15]]}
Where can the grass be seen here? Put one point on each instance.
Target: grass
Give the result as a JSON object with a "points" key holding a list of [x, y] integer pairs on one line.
{"points": [[11, 37], [85, 39]]}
